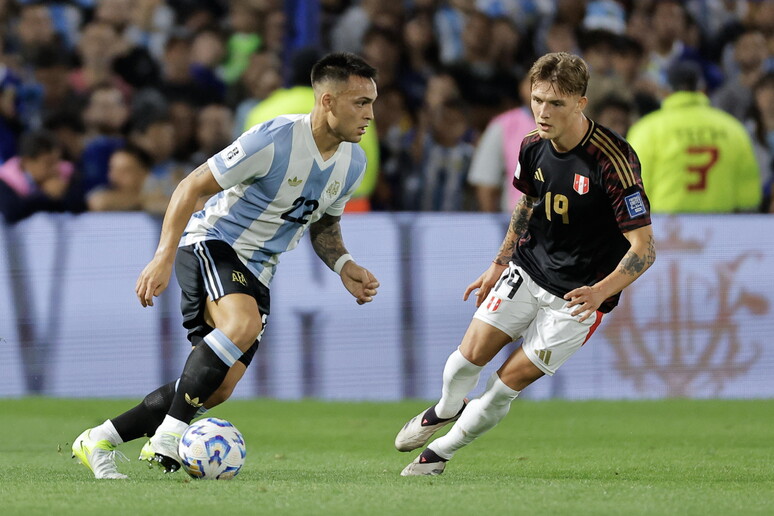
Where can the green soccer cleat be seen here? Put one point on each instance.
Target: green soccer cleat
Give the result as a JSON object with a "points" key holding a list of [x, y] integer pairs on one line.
{"points": [[99, 456]]}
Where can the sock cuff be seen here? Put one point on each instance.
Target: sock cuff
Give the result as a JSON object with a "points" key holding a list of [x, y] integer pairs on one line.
{"points": [[227, 351], [496, 390], [463, 363]]}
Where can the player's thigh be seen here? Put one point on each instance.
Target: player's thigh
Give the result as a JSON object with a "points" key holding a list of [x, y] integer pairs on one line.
{"points": [[503, 317], [482, 342], [556, 335], [518, 371], [237, 312]]}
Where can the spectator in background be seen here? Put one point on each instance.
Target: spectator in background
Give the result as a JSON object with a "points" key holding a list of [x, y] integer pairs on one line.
{"points": [[628, 63], [395, 124], [97, 49], [497, 155], [439, 162], [128, 170], [34, 31], [262, 77], [154, 133], [750, 54], [208, 50], [598, 46], [381, 47], [348, 32], [37, 180], [616, 113], [761, 127], [51, 70], [177, 76], [244, 20], [182, 114], [214, 125], [670, 40], [695, 158], [485, 85], [105, 119], [133, 60], [421, 56]]}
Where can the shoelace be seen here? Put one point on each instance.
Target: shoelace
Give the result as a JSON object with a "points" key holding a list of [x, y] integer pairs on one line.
{"points": [[109, 466]]}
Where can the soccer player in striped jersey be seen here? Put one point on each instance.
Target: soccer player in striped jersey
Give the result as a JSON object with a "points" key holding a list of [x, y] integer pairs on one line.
{"points": [[276, 181], [579, 235]]}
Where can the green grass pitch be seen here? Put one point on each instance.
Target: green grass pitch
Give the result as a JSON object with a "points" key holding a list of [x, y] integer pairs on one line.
{"points": [[323, 458]]}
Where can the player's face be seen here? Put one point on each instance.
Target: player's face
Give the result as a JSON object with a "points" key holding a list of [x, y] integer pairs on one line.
{"points": [[554, 112], [352, 109]]}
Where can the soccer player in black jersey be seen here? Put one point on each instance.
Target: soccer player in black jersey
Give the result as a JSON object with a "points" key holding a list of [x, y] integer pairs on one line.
{"points": [[580, 234]]}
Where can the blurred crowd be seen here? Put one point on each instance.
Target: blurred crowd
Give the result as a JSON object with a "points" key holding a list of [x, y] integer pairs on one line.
{"points": [[106, 104]]}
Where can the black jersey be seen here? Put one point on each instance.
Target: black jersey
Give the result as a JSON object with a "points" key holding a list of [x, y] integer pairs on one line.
{"points": [[587, 198]]}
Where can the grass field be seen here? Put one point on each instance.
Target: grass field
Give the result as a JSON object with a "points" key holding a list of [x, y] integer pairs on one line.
{"points": [[318, 458]]}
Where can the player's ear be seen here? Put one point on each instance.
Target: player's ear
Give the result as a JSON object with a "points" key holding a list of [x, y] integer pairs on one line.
{"points": [[582, 102], [327, 99]]}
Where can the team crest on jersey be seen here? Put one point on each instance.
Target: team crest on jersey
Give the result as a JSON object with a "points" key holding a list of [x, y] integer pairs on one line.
{"points": [[333, 189], [581, 184], [232, 154]]}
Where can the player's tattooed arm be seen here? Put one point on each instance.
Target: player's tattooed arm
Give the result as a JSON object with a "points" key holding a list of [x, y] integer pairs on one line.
{"points": [[325, 235], [634, 264], [517, 227]]}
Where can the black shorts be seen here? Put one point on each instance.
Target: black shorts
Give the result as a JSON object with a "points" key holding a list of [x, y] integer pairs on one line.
{"points": [[213, 269]]}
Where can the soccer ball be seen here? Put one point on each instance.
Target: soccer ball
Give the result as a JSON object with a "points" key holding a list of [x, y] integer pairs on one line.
{"points": [[213, 449]]}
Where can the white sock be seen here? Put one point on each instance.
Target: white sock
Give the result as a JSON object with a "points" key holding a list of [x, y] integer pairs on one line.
{"points": [[106, 432], [480, 415], [459, 378], [172, 425]]}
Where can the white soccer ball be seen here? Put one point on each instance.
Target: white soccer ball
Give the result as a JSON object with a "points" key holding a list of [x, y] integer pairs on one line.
{"points": [[213, 449]]}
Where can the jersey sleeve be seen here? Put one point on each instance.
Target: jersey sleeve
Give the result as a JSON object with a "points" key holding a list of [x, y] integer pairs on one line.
{"points": [[523, 180], [248, 157], [623, 184]]}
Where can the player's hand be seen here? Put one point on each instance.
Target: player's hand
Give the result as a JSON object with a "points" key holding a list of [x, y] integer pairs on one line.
{"points": [[359, 281], [484, 283], [586, 299], [153, 279]]}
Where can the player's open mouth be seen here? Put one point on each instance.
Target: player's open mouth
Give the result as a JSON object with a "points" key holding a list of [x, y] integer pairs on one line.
{"points": [[544, 127]]}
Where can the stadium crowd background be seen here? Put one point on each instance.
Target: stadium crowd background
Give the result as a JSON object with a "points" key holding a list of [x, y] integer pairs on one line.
{"points": [[106, 104]]}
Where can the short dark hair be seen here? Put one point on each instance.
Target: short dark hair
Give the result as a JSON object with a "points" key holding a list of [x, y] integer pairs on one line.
{"points": [[36, 143], [340, 66], [685, 76], [145, 159]]}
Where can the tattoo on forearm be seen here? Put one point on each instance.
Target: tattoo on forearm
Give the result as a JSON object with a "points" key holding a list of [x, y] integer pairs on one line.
{"points": [[325, 235], [519, 221], [200, 170], [634, 264]]}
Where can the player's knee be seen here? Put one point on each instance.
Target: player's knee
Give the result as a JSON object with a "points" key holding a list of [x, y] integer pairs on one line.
{"points": [[242, 331]]}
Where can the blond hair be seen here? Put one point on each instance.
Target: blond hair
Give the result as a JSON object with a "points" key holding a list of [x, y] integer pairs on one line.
{"points": [[568, 73]]}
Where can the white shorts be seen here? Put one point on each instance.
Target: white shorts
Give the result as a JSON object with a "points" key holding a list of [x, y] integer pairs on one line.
{"points": [[519, 307]]}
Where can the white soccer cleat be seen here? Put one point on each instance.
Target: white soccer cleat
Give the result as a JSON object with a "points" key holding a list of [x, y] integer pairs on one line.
{"points": [[162, 449], [427, 464], [421, 428], [99, 456]]}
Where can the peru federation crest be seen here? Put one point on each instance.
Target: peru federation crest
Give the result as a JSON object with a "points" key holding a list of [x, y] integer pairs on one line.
{"points": [[581, 184]]}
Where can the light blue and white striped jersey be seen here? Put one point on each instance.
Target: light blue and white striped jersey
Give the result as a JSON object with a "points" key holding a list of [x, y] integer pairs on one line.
{"points": [[275, 184]]}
